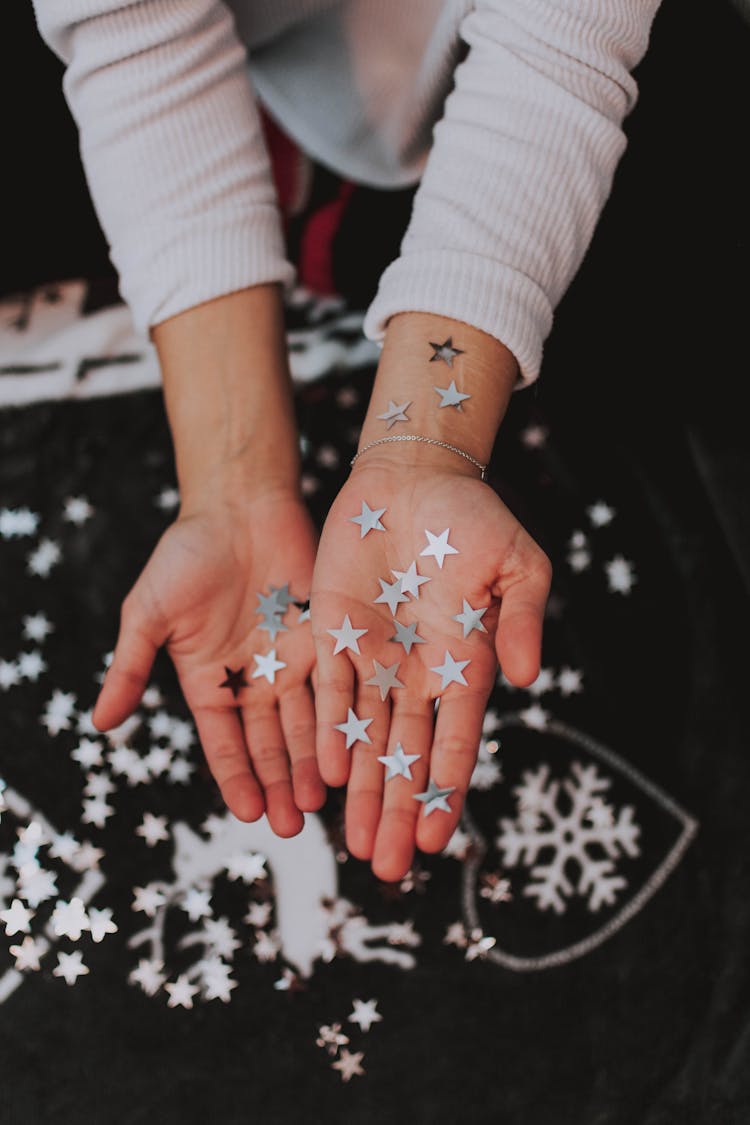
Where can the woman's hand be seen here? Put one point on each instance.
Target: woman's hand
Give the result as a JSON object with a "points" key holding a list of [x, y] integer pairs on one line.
{"points": [[198, 595], [495, 579]]}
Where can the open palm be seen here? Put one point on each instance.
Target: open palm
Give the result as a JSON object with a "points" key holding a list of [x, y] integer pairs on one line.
{"points": [[198, 595], [491, 565]]}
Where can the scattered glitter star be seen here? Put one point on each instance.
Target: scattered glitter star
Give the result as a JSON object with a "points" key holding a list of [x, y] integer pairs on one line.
{"points": [[535, 717], [247, 866], [15, 523], [544, 682], [495, 889], [391, 594], [70, 966], [451, 396], [369, 519], [10, 674], [438, 546], [410, 580], [479, 945], [167, 498], [148, 899], [59, 712], [348, 1063], [471, 618], [620, 577], [569, 681], [259, 914], [365, 1014], [346, 637], [406, 635], [16, 918], [534, 437], [100, 923], [27, 954], [331, 1037], [77, 510], [445, 352], [395, 413], [384, 678], [196, 904], [451, 671], [153, 829], [36, 627], [398, 763], [31, 665], [88, 753], [434, 797], [46, 555], [96, 811], [235, 680], [355, 729], [268, 666], [181, 992], [455, 935]]}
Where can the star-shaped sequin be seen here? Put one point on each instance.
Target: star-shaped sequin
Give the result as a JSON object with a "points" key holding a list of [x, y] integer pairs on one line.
{"points": [[451, 671], [349, 1063], [471, 618], [438, 546], [346, 637], [365, 1014], [410, 580], [434, 797], [390, 593], [398, 763], [235, 680], [451, 396], [368, 519], [445, 352], [355, 729], [268, 665], [395, 413], [406, 635], [384, 679]]}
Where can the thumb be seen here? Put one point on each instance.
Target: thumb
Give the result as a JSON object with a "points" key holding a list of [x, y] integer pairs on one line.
{"points": [[127, 676], [518, 641]]}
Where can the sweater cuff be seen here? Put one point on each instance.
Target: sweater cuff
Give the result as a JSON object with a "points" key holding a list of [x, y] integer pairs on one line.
{"points": [[197, 264], [479, 291]]}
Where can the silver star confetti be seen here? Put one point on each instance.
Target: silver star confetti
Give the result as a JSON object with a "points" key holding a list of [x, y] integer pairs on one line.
{"points": [[355, 729], [398, 763], [451, 396], [406, 635], [347, 637], [268, 666], [395, 413], [369, 519], [348, 1063], [471, 618], [451, 671], [438, 547], [391, 594], [365, 1014], [384, 679], [434, 797], [410, 580]]}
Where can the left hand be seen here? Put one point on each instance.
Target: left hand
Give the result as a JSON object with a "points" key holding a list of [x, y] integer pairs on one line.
{"points": [[498, 568]]}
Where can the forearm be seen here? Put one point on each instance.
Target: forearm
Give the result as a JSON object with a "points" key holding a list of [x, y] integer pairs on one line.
{"points": [[228, 396], [485, 370]]}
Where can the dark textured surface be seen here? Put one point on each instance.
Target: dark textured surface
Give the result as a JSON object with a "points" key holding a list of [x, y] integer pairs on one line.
{"points": [[638, 401]]}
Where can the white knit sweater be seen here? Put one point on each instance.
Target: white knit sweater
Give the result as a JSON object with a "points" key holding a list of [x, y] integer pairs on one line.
{"points": [[507, 113]]}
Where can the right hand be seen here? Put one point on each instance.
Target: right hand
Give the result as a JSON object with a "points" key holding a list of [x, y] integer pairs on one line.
{"points": [[198, 596]]}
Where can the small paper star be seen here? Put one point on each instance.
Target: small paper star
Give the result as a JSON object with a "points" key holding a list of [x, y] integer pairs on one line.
{"points": [[391, 594], [355, 729], [406, 635], [346, 637], [77, 510], [181, 993], [16, 918], [451, 671], [148, 899], [434, 797], [148, 975], [471, 618], [235, 680], [369, 519], [600, 514], [398, 763], [446, 352], [247, 866], [36, 627], [395, 414], [620, 576], [196, 904], [27, 954], [331, 1037], [438, 546], [410, 580], [384, 678], [258, 915], [46, 555], [70, 966], [348, 1063], [69, 919], [268, 666], [100, 923], [270, 604], [365, 1014], [451, 396], [569, 681], [153, 829]]}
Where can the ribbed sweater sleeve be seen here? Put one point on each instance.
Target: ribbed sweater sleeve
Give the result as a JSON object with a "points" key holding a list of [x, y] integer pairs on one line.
{"points": [[172, 146], [521, 165]]}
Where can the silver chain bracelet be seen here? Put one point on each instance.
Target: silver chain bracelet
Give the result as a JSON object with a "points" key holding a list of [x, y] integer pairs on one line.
{"points": [[428, 440]]}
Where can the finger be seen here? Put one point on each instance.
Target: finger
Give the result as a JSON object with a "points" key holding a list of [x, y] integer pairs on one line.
{"points": [[518, 640], [364, 791], [412, 730], [223, 742], [268, 753], [127, 676], [333, 697], [297, 713], [455, 745]]}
